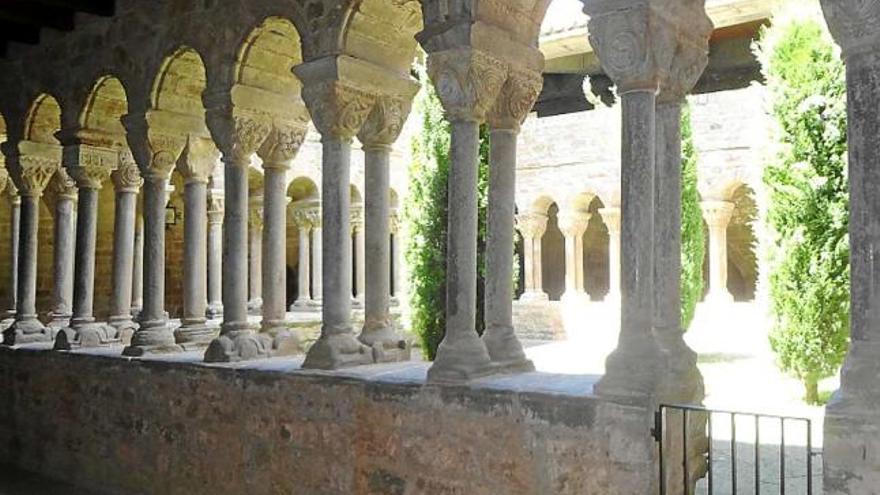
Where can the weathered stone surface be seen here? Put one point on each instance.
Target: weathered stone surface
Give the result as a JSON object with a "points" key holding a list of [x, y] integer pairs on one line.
{"points": [[187, 428]]}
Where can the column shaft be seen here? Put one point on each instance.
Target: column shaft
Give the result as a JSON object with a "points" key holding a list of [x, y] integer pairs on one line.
{"points": [[27, 328], [65, 242], [137, 276], [360, 260], [123, 261], [86, 242], [667, 222], [14, 239], [215, 264], [528, 263], [317, 264], [195, 332], [303, 279], [235, 248], [274, 246], [255, 265]]}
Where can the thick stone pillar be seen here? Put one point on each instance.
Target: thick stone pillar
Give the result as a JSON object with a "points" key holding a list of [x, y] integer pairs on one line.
{"points": [[338, 109], [304, 228], [127, 180], [852, 424], [380, 131], [359, 255], [34, 164], [64, 192], [611, 218], [90, 167], [277, 152], [532, 227], [14, 229], [462, 355], [215, 254], [137, 276], [717, 215], [255, 255], [196, 164], [518, 96], [573, 224]]}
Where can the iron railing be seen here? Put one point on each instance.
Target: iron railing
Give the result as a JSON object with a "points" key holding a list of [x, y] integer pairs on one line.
{"points": [[662, 427]]}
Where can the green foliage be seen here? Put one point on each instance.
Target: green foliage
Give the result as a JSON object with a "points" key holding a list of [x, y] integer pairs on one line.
{"points": [[809, 258], [425, 214], [692, 237]]}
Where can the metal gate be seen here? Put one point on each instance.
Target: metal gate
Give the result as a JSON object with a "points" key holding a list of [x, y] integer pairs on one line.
{"points": [[668, 426]]}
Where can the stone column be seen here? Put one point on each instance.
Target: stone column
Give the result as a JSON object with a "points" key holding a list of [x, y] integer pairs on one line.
{"points": [[36, 165], [611, 217], [304, 228], [316, 219], [852, 424], [462, 355], [380, 131], [717, 215], [573, 224], [14, 228], [156, 155], [532, 227], [90, 167], [215, 254], [517, 98], [196, 165], [255, 255], [277, 152], [634, 42], [63, 190], [396, 259], [338, 109], [238, 136], [359, 256], [127, 180], [137, 277]]}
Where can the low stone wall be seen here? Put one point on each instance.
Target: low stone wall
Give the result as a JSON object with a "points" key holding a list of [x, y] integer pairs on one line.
{"points": [[169, 427], [538, 320]]}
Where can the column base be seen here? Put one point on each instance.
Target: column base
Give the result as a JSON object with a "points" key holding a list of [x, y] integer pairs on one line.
{"points": [[240, 345], [26, 331], [57, 321], [6, 322], [388, 346], [86, 335], [536, 296], [214, 311], [632, 370], [195, 336], [339, 350], [301, 305], [125, 328], [255, 306], [506, 351], [316, 303], [460, 361], [285, 340], [394, 301], [153, 337]]}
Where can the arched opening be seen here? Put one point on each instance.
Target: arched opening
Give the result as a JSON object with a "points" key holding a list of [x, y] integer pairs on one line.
{"points": [[180, 85], [304, 196], [383, 32], [43, 121], [174, 245], [742, 262], [553, 255], [595, 257]]}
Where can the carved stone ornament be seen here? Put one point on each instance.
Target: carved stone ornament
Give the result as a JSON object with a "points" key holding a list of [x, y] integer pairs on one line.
{"points": [[127, 177], [61, 186], [468, 82], [357, 220], [395, 222], [165, 150], [690, 60], [36, 172], [216, 201], [517, 99], [385, 122], [198, 159], [853, 23], [255, 216], [89, 166], [249, 134], [302, 218], [337, 109], [314, 217], [282, 145], [4, 176], [532, 225], [573, 223]]}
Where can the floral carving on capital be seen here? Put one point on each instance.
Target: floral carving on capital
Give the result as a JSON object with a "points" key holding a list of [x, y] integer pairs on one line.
{"points": [[532, 225], [198, 160], [36, 172], [282, 145], [516, 100], [4, 177], [250, 131], [127, 177], [468, 82], [337, 109], [164, 152], [90, 166], [853, 23], [385, 122], [61, 186]]}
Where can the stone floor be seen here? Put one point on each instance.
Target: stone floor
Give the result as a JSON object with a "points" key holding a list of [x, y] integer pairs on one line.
{"points": [[16, 482]]}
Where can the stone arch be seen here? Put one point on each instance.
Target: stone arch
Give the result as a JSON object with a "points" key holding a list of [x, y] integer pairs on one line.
{"points": [[382, 32], [43, 120], [179, 86], [303, 189], [303, 193], [174, 244], [106, 105], [553, 255]]}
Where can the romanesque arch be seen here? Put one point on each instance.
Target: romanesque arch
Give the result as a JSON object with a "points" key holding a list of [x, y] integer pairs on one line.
{"points": [[302, 240]]}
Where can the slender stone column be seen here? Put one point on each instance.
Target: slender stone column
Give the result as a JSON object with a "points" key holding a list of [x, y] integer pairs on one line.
{"points": [[36, 163], [255, 256], [339, 110], [137, 277], [532, 227], [359, 257], [215, 254], [717, 215], [15, 229], [317, 257], [64, 191], [396, 259], [611, 217], [127, 180], [196, 164], [852, 424], [380, 131], [277, 152], [573, 224], [304, 228]]}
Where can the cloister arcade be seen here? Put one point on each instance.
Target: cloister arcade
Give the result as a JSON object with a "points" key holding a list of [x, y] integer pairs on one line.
{"points": [[123, 148]]}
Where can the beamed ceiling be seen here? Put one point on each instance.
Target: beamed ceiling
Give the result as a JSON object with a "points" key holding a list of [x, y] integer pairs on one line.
{"points": [[21, 21]]}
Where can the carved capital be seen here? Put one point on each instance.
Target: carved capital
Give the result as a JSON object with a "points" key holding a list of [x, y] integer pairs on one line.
{"points": [[127, 177], [395, 222], [337, 108], [61, 186], [37, 163], [516, 100], [314, 217], [357, 219], [854, 24], [385, 122], [468, 82], [532, 225], [282, 145], [717, 213], [216, 205], [255, 215], [90, 166], [4, 176], [611, 218], [573, 223], [303, 218], [198, 159]]}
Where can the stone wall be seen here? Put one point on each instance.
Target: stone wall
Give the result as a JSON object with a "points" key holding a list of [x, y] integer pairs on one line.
{"points": [[139, 427]]}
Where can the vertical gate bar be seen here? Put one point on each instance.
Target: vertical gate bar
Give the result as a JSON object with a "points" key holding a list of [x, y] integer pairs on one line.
{"points": [[733, 451], [809, 457], [757, 454], [709, 460], [658, 425], [684, 450], [782, 457]]}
